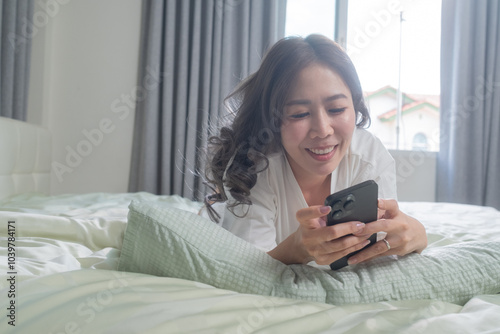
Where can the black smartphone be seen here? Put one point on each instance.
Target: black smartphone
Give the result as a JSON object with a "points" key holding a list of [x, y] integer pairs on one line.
{"points": [[356, 203]]}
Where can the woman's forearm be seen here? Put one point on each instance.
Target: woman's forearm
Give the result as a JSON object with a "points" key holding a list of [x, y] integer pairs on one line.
{"points": [[290, 252]]}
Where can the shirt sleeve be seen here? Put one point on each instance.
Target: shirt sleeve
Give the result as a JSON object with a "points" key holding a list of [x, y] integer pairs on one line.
{"points": [[376, 164], [255, 223]]}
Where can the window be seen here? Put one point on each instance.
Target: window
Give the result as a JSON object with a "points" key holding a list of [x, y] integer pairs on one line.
{"points": [[420, 141], [395, 46]]}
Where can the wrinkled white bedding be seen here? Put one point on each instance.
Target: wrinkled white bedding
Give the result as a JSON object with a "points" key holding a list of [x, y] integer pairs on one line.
{"points": [[70, 232], [67, 248]]}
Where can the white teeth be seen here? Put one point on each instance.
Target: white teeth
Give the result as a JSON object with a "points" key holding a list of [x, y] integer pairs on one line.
{"points": [[324, 151]]}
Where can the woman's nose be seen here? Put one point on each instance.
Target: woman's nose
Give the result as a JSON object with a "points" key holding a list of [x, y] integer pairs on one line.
{"points": [[320, 124]]}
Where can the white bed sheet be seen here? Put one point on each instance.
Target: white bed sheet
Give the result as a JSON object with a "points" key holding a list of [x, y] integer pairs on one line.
{"points": [[67, 248]]}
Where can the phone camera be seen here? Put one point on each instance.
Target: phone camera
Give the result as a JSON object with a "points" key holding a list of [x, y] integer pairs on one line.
{"points": [[349, 202]]}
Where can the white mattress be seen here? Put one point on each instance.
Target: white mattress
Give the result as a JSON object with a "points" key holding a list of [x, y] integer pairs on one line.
{"points": [[66, 252]]}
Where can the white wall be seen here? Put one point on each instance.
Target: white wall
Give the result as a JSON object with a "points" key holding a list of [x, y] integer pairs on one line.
{"points": [[415, 175], [84, 68]]}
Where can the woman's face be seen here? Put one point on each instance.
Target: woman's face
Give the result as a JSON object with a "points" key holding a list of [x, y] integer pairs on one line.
{"points": [[318, 122]]}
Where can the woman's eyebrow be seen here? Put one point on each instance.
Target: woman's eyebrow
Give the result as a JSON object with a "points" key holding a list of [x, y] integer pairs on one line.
{"points": [[298, 102], [307, 102], [336, 97]]}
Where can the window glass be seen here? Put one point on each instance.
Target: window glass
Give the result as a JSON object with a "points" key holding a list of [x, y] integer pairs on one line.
{"points": [[420, 141], [395, 46], [305, 17]]}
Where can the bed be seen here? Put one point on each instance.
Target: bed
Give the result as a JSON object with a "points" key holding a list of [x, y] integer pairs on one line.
{"points": [[144, 263]]}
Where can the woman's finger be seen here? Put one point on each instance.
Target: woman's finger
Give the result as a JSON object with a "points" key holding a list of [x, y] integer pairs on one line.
{"points": [[389, 207], [380, 247], [308, 217], [336, 231], [350, 247]]}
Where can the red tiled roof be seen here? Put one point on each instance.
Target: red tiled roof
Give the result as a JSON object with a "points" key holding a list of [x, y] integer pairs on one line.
{"points": [[433, 99], [416, 105]]}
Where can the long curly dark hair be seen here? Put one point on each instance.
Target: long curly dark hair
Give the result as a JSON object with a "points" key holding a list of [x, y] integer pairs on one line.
{"points": [[238, 153]]}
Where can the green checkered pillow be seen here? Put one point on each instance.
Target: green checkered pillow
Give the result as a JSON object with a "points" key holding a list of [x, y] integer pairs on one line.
{"points": [[171, 242]]}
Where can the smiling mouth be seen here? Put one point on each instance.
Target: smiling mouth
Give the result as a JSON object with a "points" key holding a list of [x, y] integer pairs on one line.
{"points": [[321, 151]]}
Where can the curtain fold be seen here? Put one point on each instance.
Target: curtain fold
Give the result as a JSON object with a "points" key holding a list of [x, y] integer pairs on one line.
{"points": [[15, 51], [469, 158], [193, 54]]}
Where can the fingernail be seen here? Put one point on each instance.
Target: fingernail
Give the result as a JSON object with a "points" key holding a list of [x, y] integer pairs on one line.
{"points": [[360, 226], [324, 209]]}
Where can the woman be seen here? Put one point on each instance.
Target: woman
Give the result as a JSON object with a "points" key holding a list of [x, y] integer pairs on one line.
{"points": [[296, 137]]}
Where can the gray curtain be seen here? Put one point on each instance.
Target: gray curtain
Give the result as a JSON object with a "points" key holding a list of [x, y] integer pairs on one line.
{"points": [[469, 157], [193, 54], [17, 30]]}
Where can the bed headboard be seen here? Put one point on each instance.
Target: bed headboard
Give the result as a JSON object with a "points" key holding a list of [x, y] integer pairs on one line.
{"points": [[25, 158]]}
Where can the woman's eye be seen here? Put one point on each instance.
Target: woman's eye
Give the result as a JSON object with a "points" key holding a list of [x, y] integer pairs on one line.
{"points": [[336, 110], [299, 116]]}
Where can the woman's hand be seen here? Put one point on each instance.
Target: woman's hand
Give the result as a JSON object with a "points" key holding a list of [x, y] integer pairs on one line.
{"points": [[405, 234], [314, 241]]}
